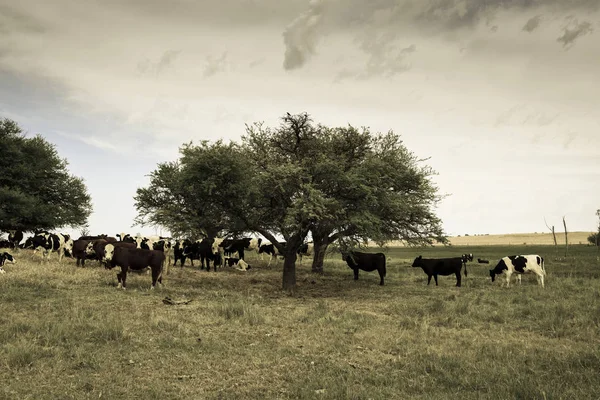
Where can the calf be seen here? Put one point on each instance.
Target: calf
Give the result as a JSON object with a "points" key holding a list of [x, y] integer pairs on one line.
{"points": [[135, 259], [230, 247], [365, 261], [521, 264], [6, 258], [237, 263], [441, 266], [482, 261]]}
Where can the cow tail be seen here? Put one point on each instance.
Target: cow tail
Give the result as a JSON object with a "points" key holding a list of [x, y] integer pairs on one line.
{"points": [[543, 268], [465, 269]]}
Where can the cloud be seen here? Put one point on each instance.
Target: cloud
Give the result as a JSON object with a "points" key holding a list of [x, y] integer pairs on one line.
{"points": [[574, 30], [450, 19], [215, 65], [532, 24], [156, 68], [300, 37]]}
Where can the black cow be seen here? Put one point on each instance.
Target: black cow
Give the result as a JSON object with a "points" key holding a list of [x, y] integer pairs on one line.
{"points": [[125, 237], [96, 237], [178, 248], [27, 244], [6, 244], [134, 259], [482, 261], [202, 250], [365, 261], [15, 238], [306, 249], [79, 251], [441, 266], [95, 248]]}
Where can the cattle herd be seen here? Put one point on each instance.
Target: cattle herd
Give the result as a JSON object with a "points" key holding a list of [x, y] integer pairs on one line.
{"points": [[139, 253]]}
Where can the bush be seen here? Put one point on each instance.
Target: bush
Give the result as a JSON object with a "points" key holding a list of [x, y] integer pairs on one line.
{"points": [[593, 239]]}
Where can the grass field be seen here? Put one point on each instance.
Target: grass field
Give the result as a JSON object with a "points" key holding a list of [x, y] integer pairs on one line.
{"points": [[68, 333]]}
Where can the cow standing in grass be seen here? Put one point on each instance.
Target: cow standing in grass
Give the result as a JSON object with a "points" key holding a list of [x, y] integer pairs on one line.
{"points": [[521, 264], [441, 266], [367, 262], [134, 259]]}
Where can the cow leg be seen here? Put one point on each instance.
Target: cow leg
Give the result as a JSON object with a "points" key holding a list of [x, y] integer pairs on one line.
{"points": [[435, 278], [156, 277], [381, 277], [458, 278], [355, 274], [122, 277], [519, 278], [429, 279]]}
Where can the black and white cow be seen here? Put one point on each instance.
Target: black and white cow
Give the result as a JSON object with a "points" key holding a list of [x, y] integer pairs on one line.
{"points": [[237, 263], [231, 247], [6, 258], [6, 244], [519, 265], [201, 250], [48, 242], [441, 266], [365, 261], [178, 250], [271, 250], [134, 259], [306, 249]]}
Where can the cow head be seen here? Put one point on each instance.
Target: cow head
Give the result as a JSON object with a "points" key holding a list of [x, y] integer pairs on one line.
{"points": [[69, 246], [6, 258], [418, 262], [215, 245], [109, 252]]}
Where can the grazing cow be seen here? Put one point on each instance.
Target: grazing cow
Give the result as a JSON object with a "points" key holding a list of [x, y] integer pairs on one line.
{"points": [[202, 250], [134, 259], [15, 238], [49, 242], [521, 264], [6, 258], [271, 250], [306, 249], [482, 261], [237, 263], [441, 266], [365, 261], [178, 250]]}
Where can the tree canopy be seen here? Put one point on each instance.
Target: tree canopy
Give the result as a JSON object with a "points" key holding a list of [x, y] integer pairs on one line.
{"points": [[36, 189], [296, 178]]}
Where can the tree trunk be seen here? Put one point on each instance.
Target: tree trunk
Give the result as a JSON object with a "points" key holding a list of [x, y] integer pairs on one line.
{"points": [[289, 272], [566, 238], [319, 256]]}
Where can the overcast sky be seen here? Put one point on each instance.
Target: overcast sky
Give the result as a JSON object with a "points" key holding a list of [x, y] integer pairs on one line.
{"points": [[504, 97]]}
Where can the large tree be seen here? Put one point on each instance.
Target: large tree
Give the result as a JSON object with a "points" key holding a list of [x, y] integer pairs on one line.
{"points": [[296, 178], [36, 189]]}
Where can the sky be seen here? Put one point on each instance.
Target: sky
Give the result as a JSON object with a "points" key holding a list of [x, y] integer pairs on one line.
{"points": [[501, 97]]}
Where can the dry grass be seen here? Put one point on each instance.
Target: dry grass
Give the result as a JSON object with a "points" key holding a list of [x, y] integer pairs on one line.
{"points": [[67, 332], [515, 239]]}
